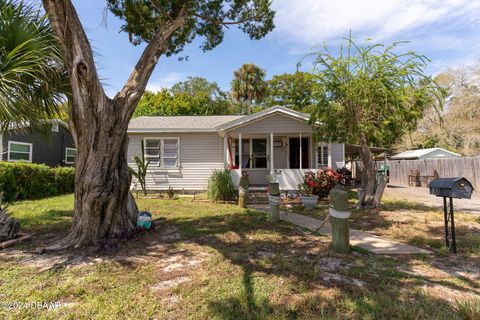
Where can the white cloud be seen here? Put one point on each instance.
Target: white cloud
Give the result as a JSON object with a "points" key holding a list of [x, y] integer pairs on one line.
{"points": [[444, 29], [314, 21], [164, 81]]}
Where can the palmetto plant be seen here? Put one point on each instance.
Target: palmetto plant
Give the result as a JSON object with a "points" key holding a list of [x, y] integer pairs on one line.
{"points": [[141, 172], [248, 85], [33, 80]]}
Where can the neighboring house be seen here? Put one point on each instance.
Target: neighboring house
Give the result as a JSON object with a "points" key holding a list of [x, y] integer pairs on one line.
{"points": [[55, 147], [430, 153], [185, 150]]}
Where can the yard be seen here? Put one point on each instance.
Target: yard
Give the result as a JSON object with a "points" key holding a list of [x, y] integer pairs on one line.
{"points": [[216, 261]]}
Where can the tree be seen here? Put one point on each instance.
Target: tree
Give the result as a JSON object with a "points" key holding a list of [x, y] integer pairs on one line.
{"points": [[33, 81], [104, 209], [195, 96], [458, 128], [293, 90], [248, 85], [370, 95]]}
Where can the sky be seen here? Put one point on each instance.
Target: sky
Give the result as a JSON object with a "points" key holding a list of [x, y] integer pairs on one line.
{"points": [[445, 31]]}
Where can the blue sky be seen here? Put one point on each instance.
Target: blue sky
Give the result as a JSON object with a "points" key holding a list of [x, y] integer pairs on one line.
{"points": [[446, 31]]}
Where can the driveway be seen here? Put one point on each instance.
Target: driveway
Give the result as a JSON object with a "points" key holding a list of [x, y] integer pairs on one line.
{"points": [[422, 195]]}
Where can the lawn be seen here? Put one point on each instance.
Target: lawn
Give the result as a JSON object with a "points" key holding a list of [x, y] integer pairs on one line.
{"points": [[216, 261]]}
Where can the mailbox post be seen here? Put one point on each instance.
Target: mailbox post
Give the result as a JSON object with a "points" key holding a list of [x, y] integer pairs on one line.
{"points": [[450, 188]]}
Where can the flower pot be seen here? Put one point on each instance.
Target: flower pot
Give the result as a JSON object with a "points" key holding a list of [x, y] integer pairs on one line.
{"points": [[309, 202]]}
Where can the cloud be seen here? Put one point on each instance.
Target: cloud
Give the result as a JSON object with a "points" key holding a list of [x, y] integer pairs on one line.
{"points": [[164, 81], [445, 29], [314, 21]]}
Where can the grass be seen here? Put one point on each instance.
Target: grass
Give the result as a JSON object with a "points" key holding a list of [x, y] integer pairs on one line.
{"points": [[234, 264]]}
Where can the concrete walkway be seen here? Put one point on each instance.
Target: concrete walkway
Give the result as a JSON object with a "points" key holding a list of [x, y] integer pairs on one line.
{"points": [[358, 238]]}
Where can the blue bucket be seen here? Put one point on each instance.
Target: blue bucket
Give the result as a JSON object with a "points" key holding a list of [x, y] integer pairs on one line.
{"points": [[144, 220]]}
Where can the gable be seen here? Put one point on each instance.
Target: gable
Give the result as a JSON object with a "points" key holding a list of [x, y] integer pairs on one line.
{"points": [[274, 123]]}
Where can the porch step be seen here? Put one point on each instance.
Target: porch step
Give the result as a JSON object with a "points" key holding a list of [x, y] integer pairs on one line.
{"points": [[257, 197]]}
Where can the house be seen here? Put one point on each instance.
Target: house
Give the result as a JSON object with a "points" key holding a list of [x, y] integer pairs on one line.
{"points": [[55, 147], [184, 150], [430, 153]]}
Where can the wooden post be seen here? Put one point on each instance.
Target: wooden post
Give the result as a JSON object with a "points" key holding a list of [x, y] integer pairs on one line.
{"points": [[339, 215], [243, 191], [274, 200]]}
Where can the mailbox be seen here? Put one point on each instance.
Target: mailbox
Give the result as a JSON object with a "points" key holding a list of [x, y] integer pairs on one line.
{"points": [[451, 188]]}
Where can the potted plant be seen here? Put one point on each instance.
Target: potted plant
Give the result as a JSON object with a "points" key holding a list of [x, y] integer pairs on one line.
{"points": [[307, 188]]}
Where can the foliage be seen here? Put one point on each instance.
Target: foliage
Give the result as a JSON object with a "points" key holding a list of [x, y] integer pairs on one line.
{"points": [[220, 186], [457, 129], [203, 18], [33, 81], [21, 180], [248, 85], [293, 90], [319, 183], [369, 95], [195, 96], [369, 91], [141, 172]]}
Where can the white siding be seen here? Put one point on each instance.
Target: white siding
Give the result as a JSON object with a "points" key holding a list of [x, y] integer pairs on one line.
{"points": [[275, 123], [200, 154], [338, 155]]}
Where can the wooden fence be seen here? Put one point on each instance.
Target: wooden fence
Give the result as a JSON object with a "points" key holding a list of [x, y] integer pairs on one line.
{"points": [[468, 167]]}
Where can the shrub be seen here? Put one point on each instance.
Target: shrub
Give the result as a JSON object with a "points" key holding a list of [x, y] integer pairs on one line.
{"points": [[21, 181], [319, 183], [220, 186]]}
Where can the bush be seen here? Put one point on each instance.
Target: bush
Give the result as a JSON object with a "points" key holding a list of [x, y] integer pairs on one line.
{"points": [[220, 186], [20, 181], [319, 183]]}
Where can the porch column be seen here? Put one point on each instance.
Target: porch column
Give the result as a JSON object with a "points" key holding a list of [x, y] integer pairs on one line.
{"points": [[300, 150], [225, 151], [271, 153], [240, 153], [329, 155]]}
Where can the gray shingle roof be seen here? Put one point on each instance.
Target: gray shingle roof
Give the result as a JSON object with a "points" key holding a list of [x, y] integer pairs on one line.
{"points": [[179, 123]]}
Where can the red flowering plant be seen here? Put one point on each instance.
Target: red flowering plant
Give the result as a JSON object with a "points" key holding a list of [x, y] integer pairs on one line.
{"points": [[319, 183]]}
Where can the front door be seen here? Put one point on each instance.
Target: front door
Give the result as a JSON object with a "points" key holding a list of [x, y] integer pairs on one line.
{"points": [[294, 151]]}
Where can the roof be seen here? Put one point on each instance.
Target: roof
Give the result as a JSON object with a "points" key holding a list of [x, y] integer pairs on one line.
{"points": [[264, 113], [179, 123], [204, 123], [26, 124], [419, 153]]}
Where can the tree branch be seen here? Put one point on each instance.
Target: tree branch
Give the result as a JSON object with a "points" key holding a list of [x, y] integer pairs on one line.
{"points": [[133, 89], [78, 55], [225, 23]]}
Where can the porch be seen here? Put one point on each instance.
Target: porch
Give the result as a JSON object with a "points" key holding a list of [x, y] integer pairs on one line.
{"points": [[287, 155]]}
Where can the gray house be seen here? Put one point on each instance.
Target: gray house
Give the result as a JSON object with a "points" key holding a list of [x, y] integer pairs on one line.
{"points": [[54, 148], [185, 150]]}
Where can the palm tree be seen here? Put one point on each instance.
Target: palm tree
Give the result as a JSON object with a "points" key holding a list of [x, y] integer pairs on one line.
{"points": [[248, 85], [33, 81]]}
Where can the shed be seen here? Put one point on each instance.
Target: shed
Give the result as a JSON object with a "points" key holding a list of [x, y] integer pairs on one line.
{"points": [[429, 153]]}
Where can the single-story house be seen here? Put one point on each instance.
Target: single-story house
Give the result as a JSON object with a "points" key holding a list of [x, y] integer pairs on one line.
{"points": [[184, 150], [55, 147], [429, 153]]}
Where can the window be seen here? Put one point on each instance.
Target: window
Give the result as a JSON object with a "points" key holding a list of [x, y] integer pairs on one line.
{"points": [[254, 153], [259, 153], [19, 151], [55, 127], [162, 152], [70, 154], [323, 156]]}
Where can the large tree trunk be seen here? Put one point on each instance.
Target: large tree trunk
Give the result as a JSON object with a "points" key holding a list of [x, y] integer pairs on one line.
{"points": [[104, 207], [368, 175]]}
